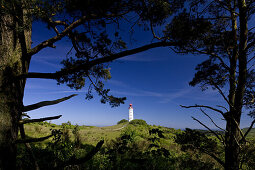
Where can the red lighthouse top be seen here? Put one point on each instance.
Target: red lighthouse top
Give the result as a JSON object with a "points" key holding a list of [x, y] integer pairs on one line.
{"points": [[130, 106]]}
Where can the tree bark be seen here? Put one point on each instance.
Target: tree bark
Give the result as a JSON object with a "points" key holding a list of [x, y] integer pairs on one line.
{"points": [[232, 148], [13, 62]]}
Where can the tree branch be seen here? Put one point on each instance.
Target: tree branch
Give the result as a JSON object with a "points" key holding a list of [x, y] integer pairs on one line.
{"points": [[247, 132], [88, 65], [213, 156], [208, 107], [33, 139], [46, 103], [68, 28], [238, 127], [38, 120], [222, 107], [217, 136], [251, 44], [211, 120], [153, 32], [214, 55], [221, 92]]}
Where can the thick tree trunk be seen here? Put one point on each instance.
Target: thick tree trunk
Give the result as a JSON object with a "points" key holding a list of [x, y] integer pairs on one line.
{"points": [[236, 93], [232, 148], [13, 62], [10, 105]]}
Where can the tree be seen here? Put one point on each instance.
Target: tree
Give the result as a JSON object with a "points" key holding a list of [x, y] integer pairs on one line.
{"points": [[223, 31], [84, 23]]}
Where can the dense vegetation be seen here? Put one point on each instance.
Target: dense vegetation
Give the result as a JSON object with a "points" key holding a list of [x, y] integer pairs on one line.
{"points": [[134, 145]]}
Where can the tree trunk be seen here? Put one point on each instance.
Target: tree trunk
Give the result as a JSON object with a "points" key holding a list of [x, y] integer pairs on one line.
{"points": [[232, 136], [13, 62], [232, 149]]}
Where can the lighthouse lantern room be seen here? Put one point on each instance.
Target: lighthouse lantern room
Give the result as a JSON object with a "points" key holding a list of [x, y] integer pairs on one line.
{"points": [[131, 114]]}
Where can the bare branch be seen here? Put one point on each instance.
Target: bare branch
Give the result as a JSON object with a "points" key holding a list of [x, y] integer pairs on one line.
{"points": [[46, 103], [203, 106], [211, 120], [222, 107], [213, 156], [247, 132], [25, 115], [251, 44], [92, 81], [238, 127], [214, 55], [250, 59], [33, 139], [38, 120], [251, 66], [221, 92], [153, 33], [217, 136], [88, 65], [209, 153]]}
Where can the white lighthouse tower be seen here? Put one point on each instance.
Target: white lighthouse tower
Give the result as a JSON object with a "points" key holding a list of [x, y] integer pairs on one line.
{"points": [[130, 113]]}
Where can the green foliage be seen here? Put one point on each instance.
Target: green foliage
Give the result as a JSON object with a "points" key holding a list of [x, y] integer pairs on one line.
{"points": [[65, 132], [193, 161], [136, 147], [218, 33], [122, 121], [77, 136], [138, 122], [193, 139]]}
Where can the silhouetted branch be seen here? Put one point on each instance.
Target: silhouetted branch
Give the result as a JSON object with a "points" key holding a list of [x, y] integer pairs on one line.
{"points": [[88, 65], [25, 114], [34, 139], [238, 127], [153, 32], [203, 106], [46, 103], [213, 156], [247, 132], [222, 107], [221, 139], [211, 120], [214, 55], [220, 91], [67, 30], [251, 101], [38, 120]]}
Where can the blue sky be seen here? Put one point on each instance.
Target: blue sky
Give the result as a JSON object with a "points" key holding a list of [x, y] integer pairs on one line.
{"points": [[155, 82]]}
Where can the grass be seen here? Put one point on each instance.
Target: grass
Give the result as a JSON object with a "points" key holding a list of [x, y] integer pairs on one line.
{"points": [[89, 134]]}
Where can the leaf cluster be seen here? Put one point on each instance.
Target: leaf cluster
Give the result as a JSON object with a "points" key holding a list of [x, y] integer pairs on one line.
{"points": [[195, 140]]}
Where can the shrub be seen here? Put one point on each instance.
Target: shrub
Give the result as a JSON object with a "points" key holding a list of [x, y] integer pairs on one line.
{"points": [[38, 128], [65, 132], [122, 121], [77, 136], [138, 122]]}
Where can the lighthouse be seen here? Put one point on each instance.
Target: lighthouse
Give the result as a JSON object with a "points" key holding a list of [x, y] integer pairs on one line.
{"points": [[130, 113]]}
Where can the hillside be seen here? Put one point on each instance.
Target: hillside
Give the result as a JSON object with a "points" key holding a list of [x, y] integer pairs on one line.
{"points": [[88, 134], [149, 146]]}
